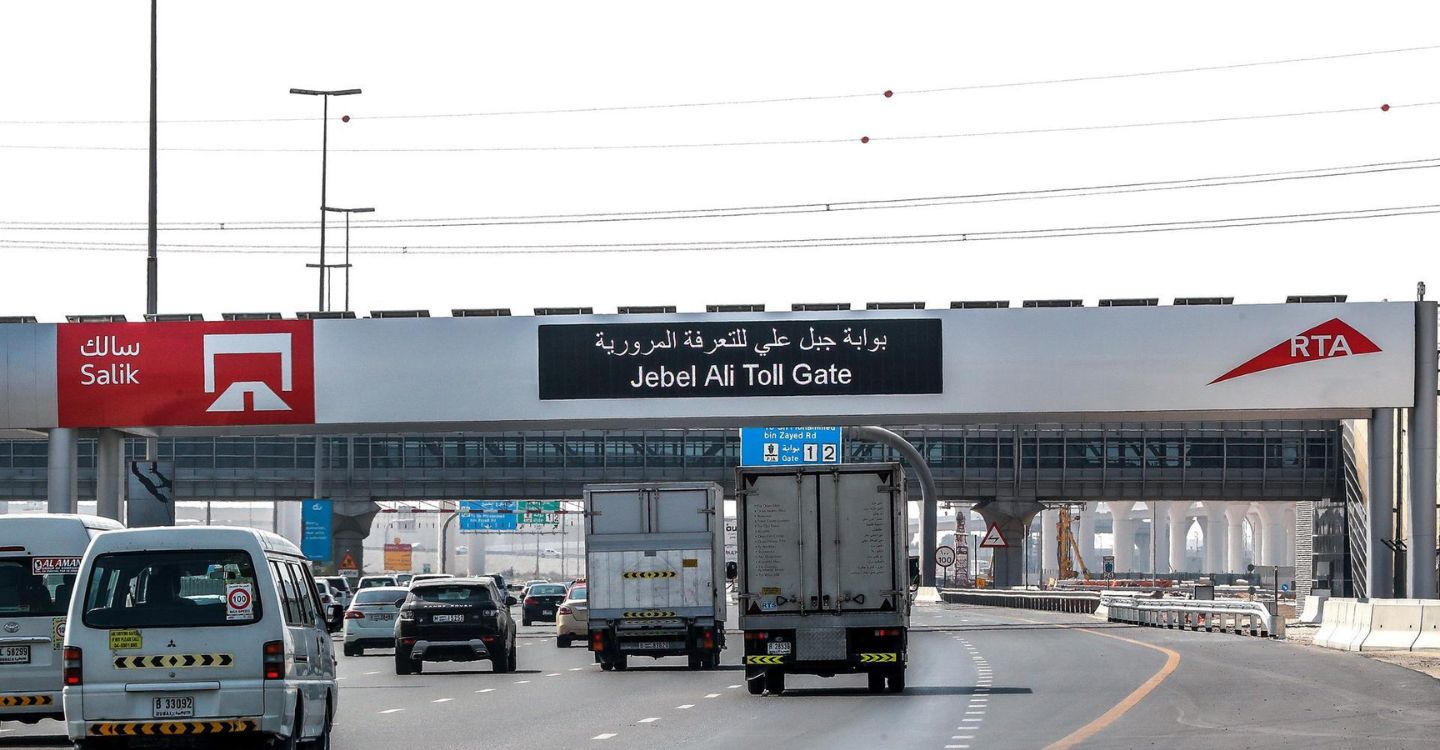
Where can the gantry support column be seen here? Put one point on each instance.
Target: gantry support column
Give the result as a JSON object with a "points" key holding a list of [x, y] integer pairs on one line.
{"points": [[1179, 514], [1124, 537], [1380, 569], [1420, 560], [60, 488], [109, 474], [1215, 547], [1235, 537]]}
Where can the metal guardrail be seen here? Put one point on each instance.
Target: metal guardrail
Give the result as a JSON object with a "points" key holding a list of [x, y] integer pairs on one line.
{"points": [[1241, 618], [1049, 601]]}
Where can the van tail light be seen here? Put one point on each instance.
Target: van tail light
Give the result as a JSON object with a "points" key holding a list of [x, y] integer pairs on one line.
{"points": [[274, 660], [354, 614], [565, 611], [597, 641], [73, 672], [707, 639]]}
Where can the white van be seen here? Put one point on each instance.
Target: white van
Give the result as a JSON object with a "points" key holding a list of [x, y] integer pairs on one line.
{"points": [[39, 557], [202, 630]]}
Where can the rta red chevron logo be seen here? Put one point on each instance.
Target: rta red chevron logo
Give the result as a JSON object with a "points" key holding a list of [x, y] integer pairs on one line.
{"points": [[1331, 339]]}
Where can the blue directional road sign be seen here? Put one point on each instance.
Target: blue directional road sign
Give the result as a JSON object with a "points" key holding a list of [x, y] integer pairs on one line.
{"points": [[489, 515], [789, 446], [316, 539]]}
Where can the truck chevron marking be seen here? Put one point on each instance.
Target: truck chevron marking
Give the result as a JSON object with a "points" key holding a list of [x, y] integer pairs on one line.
{"points": [[764, 660], [878, 658], [648, 614], [650, 574]]}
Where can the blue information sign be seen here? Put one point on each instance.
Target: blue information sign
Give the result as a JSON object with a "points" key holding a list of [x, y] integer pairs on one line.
{"points": [[789, 446], [489, 515], [316, 537]]}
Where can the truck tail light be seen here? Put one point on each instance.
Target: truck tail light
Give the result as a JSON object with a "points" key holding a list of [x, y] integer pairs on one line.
{"points": [[73, 672], [565, 611], [707, 639], [887, 633], [354, 614], [756, 635], [274, 660], [597, 641]]}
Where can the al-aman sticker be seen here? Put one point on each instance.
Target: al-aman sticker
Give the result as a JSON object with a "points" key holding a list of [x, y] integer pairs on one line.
{"points": [[123, 640]]}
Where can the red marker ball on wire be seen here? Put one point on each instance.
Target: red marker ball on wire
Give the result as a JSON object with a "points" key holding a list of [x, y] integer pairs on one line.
{"points": [[889, 93], [345, 118], [864, 139], [1384, 107]]}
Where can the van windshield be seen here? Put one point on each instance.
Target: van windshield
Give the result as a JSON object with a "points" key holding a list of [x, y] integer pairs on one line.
{"points": [[191, 588], [23, 593]]}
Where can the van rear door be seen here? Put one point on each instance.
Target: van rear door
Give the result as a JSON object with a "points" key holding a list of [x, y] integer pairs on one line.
{"points": [[168, 630]]}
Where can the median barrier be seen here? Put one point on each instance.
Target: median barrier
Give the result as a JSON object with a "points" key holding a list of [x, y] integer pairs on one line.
{"points": [[1394, 625], [1360, 625], [1085, 602], [1337, 617], [1429, 636], [1246, 618], [1314, 608]]}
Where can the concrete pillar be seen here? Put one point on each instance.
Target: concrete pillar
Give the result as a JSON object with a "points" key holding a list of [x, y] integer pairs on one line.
{"points": [[1257, 536], [1420, 561], [1287, 516], [109, 471], [1380, 567], [1085, 536], [1013, 517], [1214, 539], [1157, 552], [60, 489], [1179, 514], [1049, 546], [1234, 537], [1272, 527], [1124, 536]]}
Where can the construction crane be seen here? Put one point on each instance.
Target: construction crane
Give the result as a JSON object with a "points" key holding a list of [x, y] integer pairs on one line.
{"points": [[1069, 549]]}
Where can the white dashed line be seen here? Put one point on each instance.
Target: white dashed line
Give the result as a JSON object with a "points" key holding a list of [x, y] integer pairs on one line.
{"points": [[650, 720], [392, 710], [605, 736], [370, 673], [974, 713], [732, 687], [442, 700], [713, 695], [521, 682], [576, 669], [956, 747], [486, 690], [685, 706], [553, 674]]}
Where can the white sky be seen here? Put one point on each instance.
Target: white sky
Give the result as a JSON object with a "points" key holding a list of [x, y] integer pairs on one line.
{"points": [[88, 60]]}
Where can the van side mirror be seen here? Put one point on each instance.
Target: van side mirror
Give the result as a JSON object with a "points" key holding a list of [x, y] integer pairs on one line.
{"points": [[732, 570], [510, 601]]}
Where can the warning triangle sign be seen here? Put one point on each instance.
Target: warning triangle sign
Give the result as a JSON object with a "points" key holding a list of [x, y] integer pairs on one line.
{"points": [[348, 563], [993, 537]]}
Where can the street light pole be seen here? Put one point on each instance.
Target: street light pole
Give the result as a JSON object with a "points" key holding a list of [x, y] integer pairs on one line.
{"points": [[346, 264], [152, 262], [324, 167]]}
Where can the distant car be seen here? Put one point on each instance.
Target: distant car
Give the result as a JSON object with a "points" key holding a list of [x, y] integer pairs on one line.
{"points": [[524, 592], [456, 619], [541, 601], [550, 552], [370, 582], [403, 579], [330, 605], [341, 588], [418, 577], [572, 618], [370, 620]]}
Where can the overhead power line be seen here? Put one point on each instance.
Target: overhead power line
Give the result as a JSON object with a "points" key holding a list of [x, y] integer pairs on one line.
{"points": [[1254, 178], [772, 100], [761, 244], [858, 139]]}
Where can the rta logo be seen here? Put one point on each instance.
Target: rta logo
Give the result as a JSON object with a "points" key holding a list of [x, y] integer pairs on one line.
{"points": [[1329, 340], [249, 395]]}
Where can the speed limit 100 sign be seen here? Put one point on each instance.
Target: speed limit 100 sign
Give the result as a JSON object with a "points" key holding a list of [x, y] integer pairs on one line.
{"points": [[944, 556]]}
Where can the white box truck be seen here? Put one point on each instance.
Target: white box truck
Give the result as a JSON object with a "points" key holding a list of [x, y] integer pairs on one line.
{"points": [[823, 563], [655, 569]]}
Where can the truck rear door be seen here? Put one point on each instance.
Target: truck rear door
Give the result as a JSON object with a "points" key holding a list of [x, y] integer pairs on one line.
{"points": [[859, 519], [780, 515]]}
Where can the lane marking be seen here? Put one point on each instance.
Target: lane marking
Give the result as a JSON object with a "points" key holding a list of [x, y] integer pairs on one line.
{"points": [[553, 674], [521, 682], [956, 747], [732, 687], [713, 695], [486, 690], [370, 673], [576, 669], [649, 720], [974, 713], [442, 700], [605, 736], [1172, 660], [392, 710], [685, 706]]}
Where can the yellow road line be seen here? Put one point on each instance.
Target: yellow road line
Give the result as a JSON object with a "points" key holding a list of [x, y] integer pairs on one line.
{"points": [[1172, 660]]}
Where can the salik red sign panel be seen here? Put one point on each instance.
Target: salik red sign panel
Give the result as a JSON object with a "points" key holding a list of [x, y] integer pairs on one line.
{"points": [[1331, 339], [186, 374]]}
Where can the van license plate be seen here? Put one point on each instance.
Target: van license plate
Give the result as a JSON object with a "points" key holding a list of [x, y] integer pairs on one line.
{"points": [[14, 654], [176, 707]]}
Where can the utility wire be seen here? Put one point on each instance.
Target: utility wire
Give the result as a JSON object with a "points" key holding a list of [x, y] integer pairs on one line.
{"points": [[1254, 178], [763, 244], [770, 100]]}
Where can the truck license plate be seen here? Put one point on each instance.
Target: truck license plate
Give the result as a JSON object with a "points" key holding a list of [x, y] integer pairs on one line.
{"points": [[781, 648], [14, 654], [174, 707], [650, 646]]}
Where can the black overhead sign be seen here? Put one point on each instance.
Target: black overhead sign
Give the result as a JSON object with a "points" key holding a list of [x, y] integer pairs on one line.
{"points": [[746, 358]]}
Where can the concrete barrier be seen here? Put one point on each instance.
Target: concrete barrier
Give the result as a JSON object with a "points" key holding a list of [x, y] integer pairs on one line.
{"points": [[1429, 636], [1337, 617], [1394, 625], [1314, 608], [1359, 628]]}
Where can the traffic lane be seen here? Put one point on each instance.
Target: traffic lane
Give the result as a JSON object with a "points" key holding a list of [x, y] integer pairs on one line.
{"points": [[559, 696]]}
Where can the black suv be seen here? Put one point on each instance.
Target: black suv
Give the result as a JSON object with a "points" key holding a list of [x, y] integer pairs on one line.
{"points": [[455, 619]]}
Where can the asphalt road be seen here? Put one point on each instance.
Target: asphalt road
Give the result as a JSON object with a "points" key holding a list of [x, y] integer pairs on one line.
{"points": [[978, 677]]}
